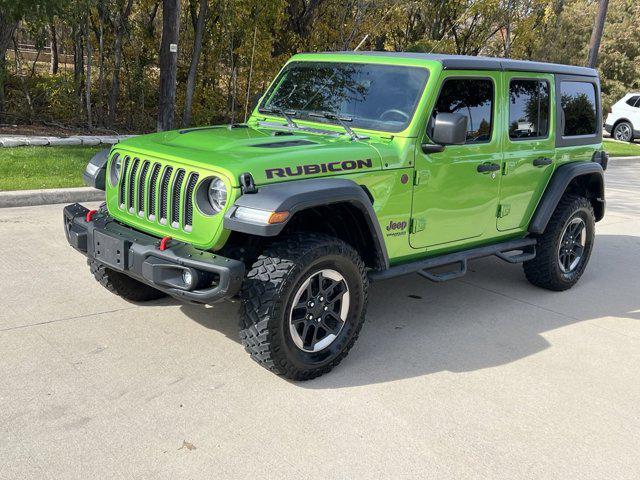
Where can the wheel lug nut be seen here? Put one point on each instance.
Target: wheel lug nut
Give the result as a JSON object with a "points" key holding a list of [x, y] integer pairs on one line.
{"points": [[310, 317], [325, 308]]}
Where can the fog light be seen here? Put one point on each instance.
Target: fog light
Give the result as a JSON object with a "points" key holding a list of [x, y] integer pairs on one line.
{"points": [[187, 278]]}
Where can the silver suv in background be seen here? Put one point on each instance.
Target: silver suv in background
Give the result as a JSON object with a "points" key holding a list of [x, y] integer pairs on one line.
{"points": [[623, 123]]}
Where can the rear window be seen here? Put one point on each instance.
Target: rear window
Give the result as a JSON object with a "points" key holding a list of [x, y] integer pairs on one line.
{"points": [[528, 109], [578, 101], [633, 100]]}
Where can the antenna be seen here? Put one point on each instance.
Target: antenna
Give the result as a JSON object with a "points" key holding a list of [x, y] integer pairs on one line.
{"points": [[364, 39]]}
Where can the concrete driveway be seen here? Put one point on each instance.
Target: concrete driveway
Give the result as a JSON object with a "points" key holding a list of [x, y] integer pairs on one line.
{"points": [[483, 377]]}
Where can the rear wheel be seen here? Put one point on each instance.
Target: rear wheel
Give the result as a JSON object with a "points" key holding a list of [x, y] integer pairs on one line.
{"points": [[564, 248], [123, 285], [303, 304], [623, 131]]}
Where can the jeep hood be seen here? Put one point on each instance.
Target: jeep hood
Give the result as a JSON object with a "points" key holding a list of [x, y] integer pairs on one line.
{"points": [[270, 155]]}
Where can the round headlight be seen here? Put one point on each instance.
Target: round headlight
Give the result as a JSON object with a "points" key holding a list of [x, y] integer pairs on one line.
{"points": [[116, 169], [217, 194]]}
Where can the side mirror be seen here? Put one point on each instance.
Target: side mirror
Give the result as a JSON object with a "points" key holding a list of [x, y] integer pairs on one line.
{"points": [[448, 129]]}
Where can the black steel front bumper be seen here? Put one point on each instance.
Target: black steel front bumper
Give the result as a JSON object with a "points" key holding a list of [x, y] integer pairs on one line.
{"points": [[137, 255]]}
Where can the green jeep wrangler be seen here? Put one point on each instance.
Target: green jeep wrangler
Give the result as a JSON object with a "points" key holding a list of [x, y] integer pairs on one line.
{"points": [[354, 167]]}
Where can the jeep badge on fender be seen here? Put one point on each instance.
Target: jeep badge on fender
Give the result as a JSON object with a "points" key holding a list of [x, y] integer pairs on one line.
{"points": [[353, 168]]}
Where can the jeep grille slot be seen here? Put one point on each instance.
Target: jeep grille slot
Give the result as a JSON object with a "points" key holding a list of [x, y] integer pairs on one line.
{"points": [[132, 184], [142, 183], [123, 182], [175, 198], [154, 192], [153, 189], [188, 201], [164, 194]]}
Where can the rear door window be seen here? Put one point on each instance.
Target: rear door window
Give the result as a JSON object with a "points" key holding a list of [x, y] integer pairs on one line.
{"points": [[529, 103], [578, 101]]}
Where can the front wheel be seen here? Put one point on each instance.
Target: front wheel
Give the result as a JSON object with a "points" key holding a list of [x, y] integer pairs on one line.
{"points": [[563, 250], [303, 305]]}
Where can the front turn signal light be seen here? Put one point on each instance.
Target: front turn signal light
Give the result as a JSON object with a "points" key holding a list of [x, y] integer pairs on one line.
{"points": [[264, 217], [278, 217]]}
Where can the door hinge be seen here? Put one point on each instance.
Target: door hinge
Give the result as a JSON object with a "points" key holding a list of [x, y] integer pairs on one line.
{"points": [[508, 166], [503, 210], [417, 225], [420, 176]]}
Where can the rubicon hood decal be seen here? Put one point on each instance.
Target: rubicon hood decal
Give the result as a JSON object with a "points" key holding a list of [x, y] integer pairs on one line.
{"points": [[315, 168]]}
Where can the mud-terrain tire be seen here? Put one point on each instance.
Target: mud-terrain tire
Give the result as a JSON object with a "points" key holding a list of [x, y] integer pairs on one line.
{"points": [[623, 132], [271, 329], [123, 285], [555, 267]]}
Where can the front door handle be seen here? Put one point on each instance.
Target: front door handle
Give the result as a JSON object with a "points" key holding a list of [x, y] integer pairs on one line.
{"points": [[488, 167], [542, 161]]}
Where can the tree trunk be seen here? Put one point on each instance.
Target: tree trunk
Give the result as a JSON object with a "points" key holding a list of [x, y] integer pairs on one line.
{"points": [[168, 63], [195, 59], [596, 34], [53, 69], [101, 86], [23, 81], [87, 83], [120, 30], [7, 27]]}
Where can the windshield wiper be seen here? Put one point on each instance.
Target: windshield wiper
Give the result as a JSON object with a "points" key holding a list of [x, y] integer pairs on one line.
{"points": [[340, 120], [280, 111]]}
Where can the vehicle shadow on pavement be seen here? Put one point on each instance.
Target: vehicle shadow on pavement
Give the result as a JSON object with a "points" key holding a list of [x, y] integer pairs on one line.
{"points": [[222, 317], [491, 317]]}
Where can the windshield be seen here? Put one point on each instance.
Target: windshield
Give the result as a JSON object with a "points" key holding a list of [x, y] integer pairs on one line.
{"points": [[374, 97]]}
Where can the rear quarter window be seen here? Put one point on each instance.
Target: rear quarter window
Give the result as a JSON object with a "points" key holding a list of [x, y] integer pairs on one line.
{"points": [[578, 102], [633, 101]]}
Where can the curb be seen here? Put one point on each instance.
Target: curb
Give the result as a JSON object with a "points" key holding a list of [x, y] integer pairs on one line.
{"points": [[624, 158], [29, 198], [75, 140]]}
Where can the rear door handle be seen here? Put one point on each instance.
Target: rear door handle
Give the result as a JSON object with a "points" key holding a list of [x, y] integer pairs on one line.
{"points": [[488, 167], [542, 161]]}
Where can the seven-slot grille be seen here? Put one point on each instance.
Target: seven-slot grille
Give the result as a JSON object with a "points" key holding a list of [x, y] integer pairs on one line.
{"points": [[158, 193]]}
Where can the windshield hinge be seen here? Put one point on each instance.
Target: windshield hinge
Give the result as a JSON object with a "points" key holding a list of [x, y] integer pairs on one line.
{"points": [[247, 184]]}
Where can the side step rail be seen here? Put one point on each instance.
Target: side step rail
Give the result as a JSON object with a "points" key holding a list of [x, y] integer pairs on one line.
{"points": [[459, 259]]}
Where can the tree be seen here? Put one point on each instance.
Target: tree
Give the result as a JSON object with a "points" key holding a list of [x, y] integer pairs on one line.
{"points": [[168, 63], [596, 35], [11, 13], [198, 27], [8, 24], [121, 22]]}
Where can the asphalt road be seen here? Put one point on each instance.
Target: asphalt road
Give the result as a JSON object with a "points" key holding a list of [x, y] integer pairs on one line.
{"points": [[482, 377]]}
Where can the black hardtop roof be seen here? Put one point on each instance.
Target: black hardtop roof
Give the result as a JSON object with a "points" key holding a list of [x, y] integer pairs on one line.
{"points": [[466, 62]]}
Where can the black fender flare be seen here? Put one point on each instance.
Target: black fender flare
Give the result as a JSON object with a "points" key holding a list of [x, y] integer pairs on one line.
{"points": [[95, 172], [298, 195], [557, 186]]}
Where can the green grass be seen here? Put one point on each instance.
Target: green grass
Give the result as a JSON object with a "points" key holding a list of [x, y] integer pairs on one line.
{"points": [[28, 168], [621, 149]]}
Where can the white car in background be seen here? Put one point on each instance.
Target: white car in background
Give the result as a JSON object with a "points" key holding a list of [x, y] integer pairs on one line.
{"points": [[623, 123]]}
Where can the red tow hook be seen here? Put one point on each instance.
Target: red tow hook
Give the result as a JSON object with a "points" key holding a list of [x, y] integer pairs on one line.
{"points": [[164, 243], [90, 214]]}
